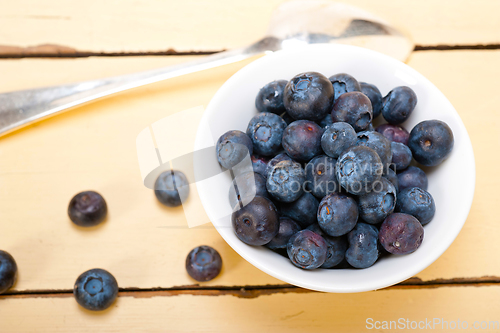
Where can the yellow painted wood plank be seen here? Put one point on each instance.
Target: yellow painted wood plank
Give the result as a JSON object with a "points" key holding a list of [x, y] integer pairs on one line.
{"points": [[150, 25], [144, 244], [311, 312]]}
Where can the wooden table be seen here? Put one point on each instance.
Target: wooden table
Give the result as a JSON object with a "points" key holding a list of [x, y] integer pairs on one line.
{"points": [[93, 147]]}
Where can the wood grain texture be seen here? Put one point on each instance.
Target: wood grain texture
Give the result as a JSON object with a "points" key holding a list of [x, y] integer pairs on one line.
{"points": [[191, 25], [291, 312], [143, 244]]}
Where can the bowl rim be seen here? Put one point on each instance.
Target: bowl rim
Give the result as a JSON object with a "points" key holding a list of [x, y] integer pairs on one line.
{"points": [[238, 246]]}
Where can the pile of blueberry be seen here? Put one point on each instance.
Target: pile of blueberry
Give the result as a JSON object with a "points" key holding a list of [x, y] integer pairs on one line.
{"points": [[327, 188]]}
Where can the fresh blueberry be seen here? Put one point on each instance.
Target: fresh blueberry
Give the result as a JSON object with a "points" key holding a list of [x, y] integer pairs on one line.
{"points": [[393, 178], [203, 263], [337, 138], [172, 188], [8, 271], [285, 181], [259, 164], [418, 203], [363, 246], [245, 187], [326, 121], [353, 108], [358, 168], [337, 214], [266, 130], [320, 176], [95, 289], [394, 133], [431, 142], [270, 97], [303, 210], [256, 223], [379, 143], [375, 206], [398, 105], [343, 83], [87, 209], [275, 160], [336, 247], [302, 140], [232, 147], [287, 229], [401, 233], [412, 177], [401, 155], [308, 96], [307, 249], [372, 92]]}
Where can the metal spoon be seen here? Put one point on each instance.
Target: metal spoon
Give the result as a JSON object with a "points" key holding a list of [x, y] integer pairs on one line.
{"points": [[293, 25]]}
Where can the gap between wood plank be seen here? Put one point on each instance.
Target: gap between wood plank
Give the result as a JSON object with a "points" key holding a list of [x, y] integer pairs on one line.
{"points": [[59, 51], [254, 291]]}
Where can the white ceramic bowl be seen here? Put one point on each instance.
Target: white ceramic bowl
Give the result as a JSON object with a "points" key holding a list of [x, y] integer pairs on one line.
{"points": [[451, 183]]}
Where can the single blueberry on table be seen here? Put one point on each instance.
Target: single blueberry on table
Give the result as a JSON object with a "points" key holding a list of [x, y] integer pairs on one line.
{"points": [[431, 142], [256, 223], [337, 214], [8, 271], [270, 97], [172, 188], [353, 108], [287, 229], [96, 289], [266, 130], [307, 249], [372, 92], [412, 177], [337, 138], [418, 203], [363, 249], [392, 177], [326, 121], [394, 133], [401, 233], [245, 187], [401, 156], [203, 263], [302, 140], [358, 168], [87, 209], [343, 83], [375, 206], [286, 180], [259, 164], [303, 210], [398, 105], [336, 247], [275, 160], [232, 147], [379, 143], [308, 96], [320, 176]]}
